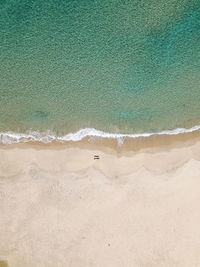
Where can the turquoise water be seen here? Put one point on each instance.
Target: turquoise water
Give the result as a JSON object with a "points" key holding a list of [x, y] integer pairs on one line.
{"points": [[119, 66]]}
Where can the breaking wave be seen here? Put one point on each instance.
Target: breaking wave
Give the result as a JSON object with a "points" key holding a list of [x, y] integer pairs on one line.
{"points": [[48, 137]]}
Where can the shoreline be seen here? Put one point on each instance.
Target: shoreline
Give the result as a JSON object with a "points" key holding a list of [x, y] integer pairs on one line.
{"points": [[150, 144], [86, 133], [138, 205]]}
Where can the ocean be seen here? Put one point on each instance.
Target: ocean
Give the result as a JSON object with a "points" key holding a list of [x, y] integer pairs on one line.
{"points": [[72, 68]]}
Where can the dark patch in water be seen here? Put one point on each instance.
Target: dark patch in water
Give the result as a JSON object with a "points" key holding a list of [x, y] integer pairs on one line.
{"points": [[40, 115]]}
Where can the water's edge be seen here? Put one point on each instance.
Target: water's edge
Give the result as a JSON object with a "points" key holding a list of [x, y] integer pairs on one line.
{"points": [[48, 137]]}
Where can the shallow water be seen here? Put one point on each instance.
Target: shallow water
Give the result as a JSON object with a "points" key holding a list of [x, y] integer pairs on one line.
{"points": [[118, 66]]}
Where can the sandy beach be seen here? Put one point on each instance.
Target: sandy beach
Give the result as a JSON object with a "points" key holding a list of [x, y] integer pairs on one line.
{"points": [[131, 208]]}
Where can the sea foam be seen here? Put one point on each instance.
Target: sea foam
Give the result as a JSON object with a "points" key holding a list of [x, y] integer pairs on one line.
{"points": [[48, 137]]}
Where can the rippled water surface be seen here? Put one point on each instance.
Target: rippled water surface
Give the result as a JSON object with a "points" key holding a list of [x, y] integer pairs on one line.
{"points": [[119, 66]]}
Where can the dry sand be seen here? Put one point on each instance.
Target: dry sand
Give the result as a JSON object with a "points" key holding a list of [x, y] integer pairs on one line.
{"points": [[60, 207]]}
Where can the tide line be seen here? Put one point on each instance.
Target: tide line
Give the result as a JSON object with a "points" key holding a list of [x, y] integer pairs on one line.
{"points": [[48, 137]]}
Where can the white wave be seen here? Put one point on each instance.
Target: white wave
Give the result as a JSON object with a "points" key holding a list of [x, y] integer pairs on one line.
{"points": [[35, 136]]}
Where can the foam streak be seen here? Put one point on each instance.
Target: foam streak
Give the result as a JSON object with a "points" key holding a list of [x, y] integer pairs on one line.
{"points": [[35, 136]]}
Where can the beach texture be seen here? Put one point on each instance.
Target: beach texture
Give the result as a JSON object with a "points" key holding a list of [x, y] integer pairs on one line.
{"points": [[60, 207], [122, 79]]}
